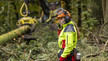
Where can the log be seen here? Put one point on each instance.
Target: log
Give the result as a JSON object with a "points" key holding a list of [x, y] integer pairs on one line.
{"points": [[14, 34]]}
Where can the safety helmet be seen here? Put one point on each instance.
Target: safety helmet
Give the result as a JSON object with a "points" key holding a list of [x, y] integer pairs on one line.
{"points": [[63, 13]]}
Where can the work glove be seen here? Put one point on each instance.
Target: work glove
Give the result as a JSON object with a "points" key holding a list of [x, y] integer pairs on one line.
{"points": [[62, 59]]}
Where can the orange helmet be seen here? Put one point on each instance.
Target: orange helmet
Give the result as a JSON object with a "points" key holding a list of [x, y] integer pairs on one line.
{"points": [[62, 13]]}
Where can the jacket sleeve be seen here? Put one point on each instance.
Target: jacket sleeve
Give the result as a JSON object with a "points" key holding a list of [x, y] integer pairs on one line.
{"points": [[69, 36], [59, 32]]}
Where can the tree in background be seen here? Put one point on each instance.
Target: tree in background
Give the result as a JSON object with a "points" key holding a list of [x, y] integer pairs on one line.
{"points": [[79, 13], [104, 29]]}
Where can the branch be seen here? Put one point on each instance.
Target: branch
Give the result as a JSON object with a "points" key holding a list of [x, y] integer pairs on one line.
{"points": [[103, 36], [2, 9], [97, 41], [28, 56], [106, 59], [105, 46], [101, 29], [8, 14], [97, 54], [10, 53]]}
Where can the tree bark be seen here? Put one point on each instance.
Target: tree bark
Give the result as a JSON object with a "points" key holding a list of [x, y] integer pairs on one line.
{"points": [[14, 34], [104, 7], [79, 14], [105, 13], [45, 9], [15, 8]]}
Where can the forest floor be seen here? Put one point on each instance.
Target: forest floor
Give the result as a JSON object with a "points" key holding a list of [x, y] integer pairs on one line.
{"points": [[45, 47]]}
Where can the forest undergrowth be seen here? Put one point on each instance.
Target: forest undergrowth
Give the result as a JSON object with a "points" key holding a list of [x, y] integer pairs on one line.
{"points": [[45, 47]]}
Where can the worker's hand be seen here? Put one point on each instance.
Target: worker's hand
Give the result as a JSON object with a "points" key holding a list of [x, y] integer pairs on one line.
{"points": [[62, 59]]}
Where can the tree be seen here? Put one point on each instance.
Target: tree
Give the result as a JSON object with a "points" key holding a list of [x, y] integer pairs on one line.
{"points": [[79, 13], [104, 29], [14, 34]]}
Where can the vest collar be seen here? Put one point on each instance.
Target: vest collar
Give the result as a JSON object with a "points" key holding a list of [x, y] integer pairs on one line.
{"points": [[68, 24]]}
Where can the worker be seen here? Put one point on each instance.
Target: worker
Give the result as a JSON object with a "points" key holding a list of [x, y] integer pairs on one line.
{"points": [[67, 38]]}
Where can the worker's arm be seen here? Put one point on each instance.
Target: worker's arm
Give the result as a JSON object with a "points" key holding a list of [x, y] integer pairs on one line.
{"points": [[69, 44], [71, 39]]}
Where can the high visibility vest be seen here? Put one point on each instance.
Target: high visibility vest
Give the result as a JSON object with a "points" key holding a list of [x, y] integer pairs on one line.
{"points": [[68, 38]]}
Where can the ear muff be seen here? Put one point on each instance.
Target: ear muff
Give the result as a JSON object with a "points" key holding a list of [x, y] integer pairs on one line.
{"points": [[67, 19]]}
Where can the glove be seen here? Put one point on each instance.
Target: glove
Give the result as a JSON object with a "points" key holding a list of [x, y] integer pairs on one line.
{"points": [[62, 59]]}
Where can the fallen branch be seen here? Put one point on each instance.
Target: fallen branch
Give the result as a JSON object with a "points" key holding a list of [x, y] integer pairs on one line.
{"points": [[97, 40], [91, 55], [106, 59], [101, 29], [28, 56], [106, 50], [105, 46], [10, 53], [96, 54], [2, 9], [103, 36]]}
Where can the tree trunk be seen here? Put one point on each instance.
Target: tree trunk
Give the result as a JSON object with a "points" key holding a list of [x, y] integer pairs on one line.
{"points": [[15, 8], [45, 9], [14, 34], [79, 14], [104, 28], [67, 5], [104, 7]]}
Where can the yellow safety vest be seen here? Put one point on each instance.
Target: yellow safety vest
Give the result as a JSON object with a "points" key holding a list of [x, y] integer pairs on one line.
{"points": [[68, 37]]}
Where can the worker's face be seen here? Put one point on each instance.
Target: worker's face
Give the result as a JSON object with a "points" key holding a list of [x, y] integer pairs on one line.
{"points": [[61, 21]]}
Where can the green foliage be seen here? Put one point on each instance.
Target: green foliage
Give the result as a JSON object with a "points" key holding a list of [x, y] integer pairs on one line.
{"points": [[9, 13], [7, 16], [74, 9], [48, 38], [20, 51], [4, 29], [34, 8], [90, 24], [90, 16], [96, 8], [85, 49], [45, 46]]}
